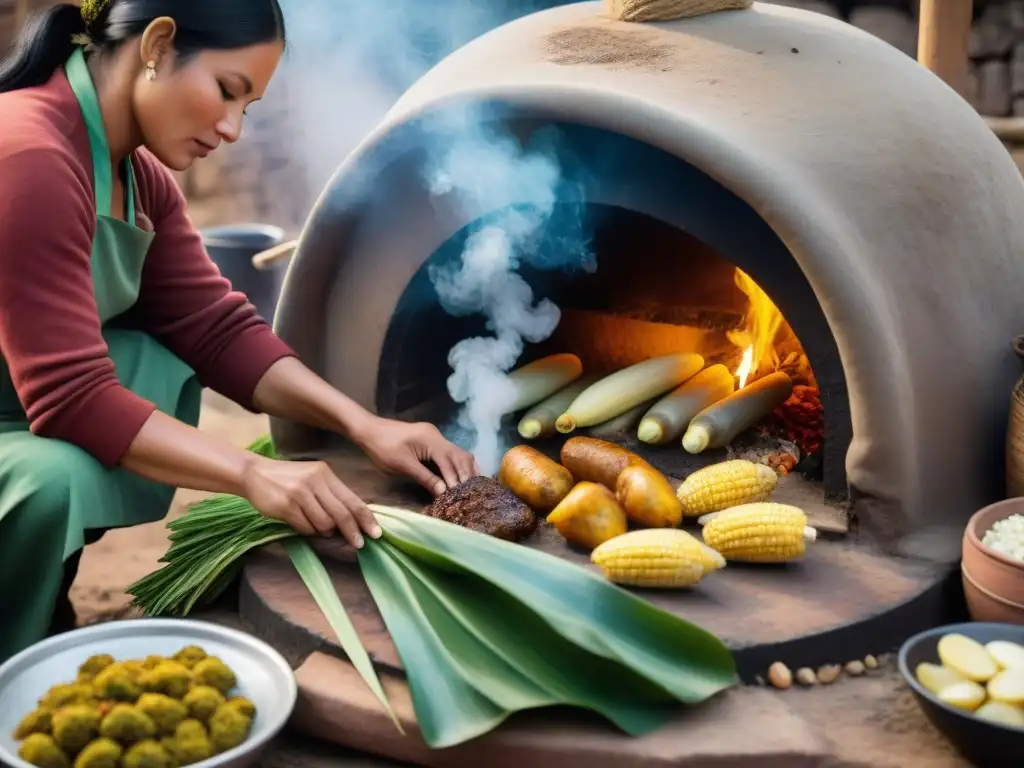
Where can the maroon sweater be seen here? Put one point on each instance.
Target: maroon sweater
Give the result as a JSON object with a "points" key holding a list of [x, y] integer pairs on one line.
{"points": [[50, 332]]}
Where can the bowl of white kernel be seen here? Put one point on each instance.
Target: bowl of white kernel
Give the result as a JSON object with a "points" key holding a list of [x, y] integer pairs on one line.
{"points": [[992, 567]]}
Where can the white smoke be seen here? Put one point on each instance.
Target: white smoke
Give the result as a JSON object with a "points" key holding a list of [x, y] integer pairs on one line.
{"points": [[484, 172]]}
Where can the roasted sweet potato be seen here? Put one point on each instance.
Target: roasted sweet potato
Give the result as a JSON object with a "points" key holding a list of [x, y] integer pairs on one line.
{"points": [[589, 516], [647, 497], [537, 480], [597, 461]]}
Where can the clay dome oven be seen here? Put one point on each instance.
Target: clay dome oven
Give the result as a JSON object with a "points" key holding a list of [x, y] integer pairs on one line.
{"points": [[866, 199]]}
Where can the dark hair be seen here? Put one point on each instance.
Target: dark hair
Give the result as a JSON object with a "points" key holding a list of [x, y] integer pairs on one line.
{"points": [[45, 42]]}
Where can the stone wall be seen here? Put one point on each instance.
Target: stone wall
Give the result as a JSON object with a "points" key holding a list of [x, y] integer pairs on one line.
{"points": [[997, 56]]}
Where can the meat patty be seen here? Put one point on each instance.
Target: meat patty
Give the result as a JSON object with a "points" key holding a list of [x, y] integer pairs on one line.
{"points": [[484, 505]]}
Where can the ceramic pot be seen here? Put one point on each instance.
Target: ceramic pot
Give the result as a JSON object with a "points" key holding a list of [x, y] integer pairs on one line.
{"points": [[993, 583]]}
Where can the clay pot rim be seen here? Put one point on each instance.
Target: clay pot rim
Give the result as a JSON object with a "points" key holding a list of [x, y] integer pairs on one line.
{"points": [[1012, 506]]}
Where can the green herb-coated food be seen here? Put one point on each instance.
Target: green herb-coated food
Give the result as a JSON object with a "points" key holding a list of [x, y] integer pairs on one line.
{"points": [[484, 627], [164, 714]]}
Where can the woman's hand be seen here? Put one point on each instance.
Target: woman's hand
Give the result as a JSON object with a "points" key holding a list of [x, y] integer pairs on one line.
{"points": [[310, 498], [399, 447]]}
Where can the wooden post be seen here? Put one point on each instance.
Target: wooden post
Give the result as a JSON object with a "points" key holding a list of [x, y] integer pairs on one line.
{"points": [[943, 37]]}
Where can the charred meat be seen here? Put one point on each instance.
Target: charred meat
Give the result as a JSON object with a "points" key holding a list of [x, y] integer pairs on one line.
{"points": [[484, 505]]}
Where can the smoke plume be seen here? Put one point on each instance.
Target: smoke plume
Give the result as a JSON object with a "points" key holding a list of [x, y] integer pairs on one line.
{"points": [[484, 169]]}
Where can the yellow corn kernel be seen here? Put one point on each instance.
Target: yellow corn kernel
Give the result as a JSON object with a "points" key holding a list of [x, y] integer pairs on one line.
{"points": [[656, 557], [759, 533], [725, 485]]}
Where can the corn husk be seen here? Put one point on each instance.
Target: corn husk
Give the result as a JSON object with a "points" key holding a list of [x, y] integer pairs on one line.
{"points": [[484, 627]]}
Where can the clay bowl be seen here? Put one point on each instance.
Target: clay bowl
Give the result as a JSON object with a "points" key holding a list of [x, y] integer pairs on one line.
{"points": [[993, 583], [984, 744]]}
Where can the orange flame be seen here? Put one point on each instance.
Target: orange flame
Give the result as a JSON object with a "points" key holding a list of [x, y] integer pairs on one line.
{"points": [[756, 339]]}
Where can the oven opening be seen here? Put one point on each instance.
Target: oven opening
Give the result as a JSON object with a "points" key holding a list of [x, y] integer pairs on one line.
{"points": [[637, 288]]}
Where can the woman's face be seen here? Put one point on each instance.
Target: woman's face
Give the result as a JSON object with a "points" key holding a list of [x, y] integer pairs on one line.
{"points": [[189, 109]]}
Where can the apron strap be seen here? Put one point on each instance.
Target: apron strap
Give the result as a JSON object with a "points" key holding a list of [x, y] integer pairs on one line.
{"points": [[81, 83]]}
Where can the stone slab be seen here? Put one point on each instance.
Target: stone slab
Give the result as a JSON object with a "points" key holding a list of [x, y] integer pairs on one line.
{"points": [[736, 728]]}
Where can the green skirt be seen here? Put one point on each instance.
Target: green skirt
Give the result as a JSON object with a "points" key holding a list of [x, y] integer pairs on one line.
{"points": [[53, 494]]}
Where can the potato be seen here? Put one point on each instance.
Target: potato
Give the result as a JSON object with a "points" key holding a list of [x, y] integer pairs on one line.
{"points": [[647, 497], [1001, 713], [1007, 687], [935, 677], [589, 516], [1007, 655], [539, 482], [968, 657], [966, 695], [597, 461]]}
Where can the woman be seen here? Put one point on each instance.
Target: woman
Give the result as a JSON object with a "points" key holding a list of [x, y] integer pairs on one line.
{"points": [[112, 316]]}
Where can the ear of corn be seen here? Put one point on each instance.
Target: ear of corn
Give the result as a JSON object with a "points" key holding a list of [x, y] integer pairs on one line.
{"points": [[652, 557], [615, 394], [726, 484], [542, 378], [759, 533], [719, 423], [668, 418], [539, 421]]}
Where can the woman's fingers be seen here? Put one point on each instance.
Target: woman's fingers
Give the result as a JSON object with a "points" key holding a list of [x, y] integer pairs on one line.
{"points": [[415, 469], [465, 465], [338, 515], [446, 464], [319, 517], [357, 508]]}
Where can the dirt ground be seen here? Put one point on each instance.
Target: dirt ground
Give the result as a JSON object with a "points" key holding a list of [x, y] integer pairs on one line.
{"points": [[123, 557]]}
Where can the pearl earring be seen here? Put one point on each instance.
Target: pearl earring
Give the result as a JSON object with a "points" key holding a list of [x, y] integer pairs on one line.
{"points": [[151, 71]]}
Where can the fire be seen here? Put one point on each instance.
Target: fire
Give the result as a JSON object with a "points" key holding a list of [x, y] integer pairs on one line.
{"points": [[746, 365], [757, 338]]}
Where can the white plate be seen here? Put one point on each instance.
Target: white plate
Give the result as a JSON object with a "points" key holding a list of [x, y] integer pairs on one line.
{"points": [[263, 675]]}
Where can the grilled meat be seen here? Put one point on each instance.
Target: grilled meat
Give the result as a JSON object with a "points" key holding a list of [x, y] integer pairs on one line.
{"points": [[484, 505]]}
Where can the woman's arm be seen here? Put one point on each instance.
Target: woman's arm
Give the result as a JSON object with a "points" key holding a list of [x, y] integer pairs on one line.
{"points": [[169, 451], [289, 390], [305, 494], [50, 333], [189, 306]]}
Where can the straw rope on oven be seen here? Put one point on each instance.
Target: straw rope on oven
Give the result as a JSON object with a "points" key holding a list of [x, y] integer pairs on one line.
{"points": [[669, 10]]}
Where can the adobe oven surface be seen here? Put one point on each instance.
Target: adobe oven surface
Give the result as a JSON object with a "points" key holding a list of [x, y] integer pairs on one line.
{"points": [[898, 205]]}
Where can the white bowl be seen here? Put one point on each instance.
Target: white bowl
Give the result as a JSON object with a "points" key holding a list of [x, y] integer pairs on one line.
{"points": [[263, 675]]}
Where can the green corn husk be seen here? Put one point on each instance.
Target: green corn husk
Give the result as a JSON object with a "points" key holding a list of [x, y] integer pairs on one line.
{"points": [[484, 627], [318, 582], [648, 657]]}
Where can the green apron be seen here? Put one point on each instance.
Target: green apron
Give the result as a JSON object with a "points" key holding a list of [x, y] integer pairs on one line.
{"points": [[52, 493]]}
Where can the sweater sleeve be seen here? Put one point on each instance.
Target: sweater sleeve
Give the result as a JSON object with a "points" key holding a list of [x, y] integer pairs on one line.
{"points": [[189, 306], [50, 333]]}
